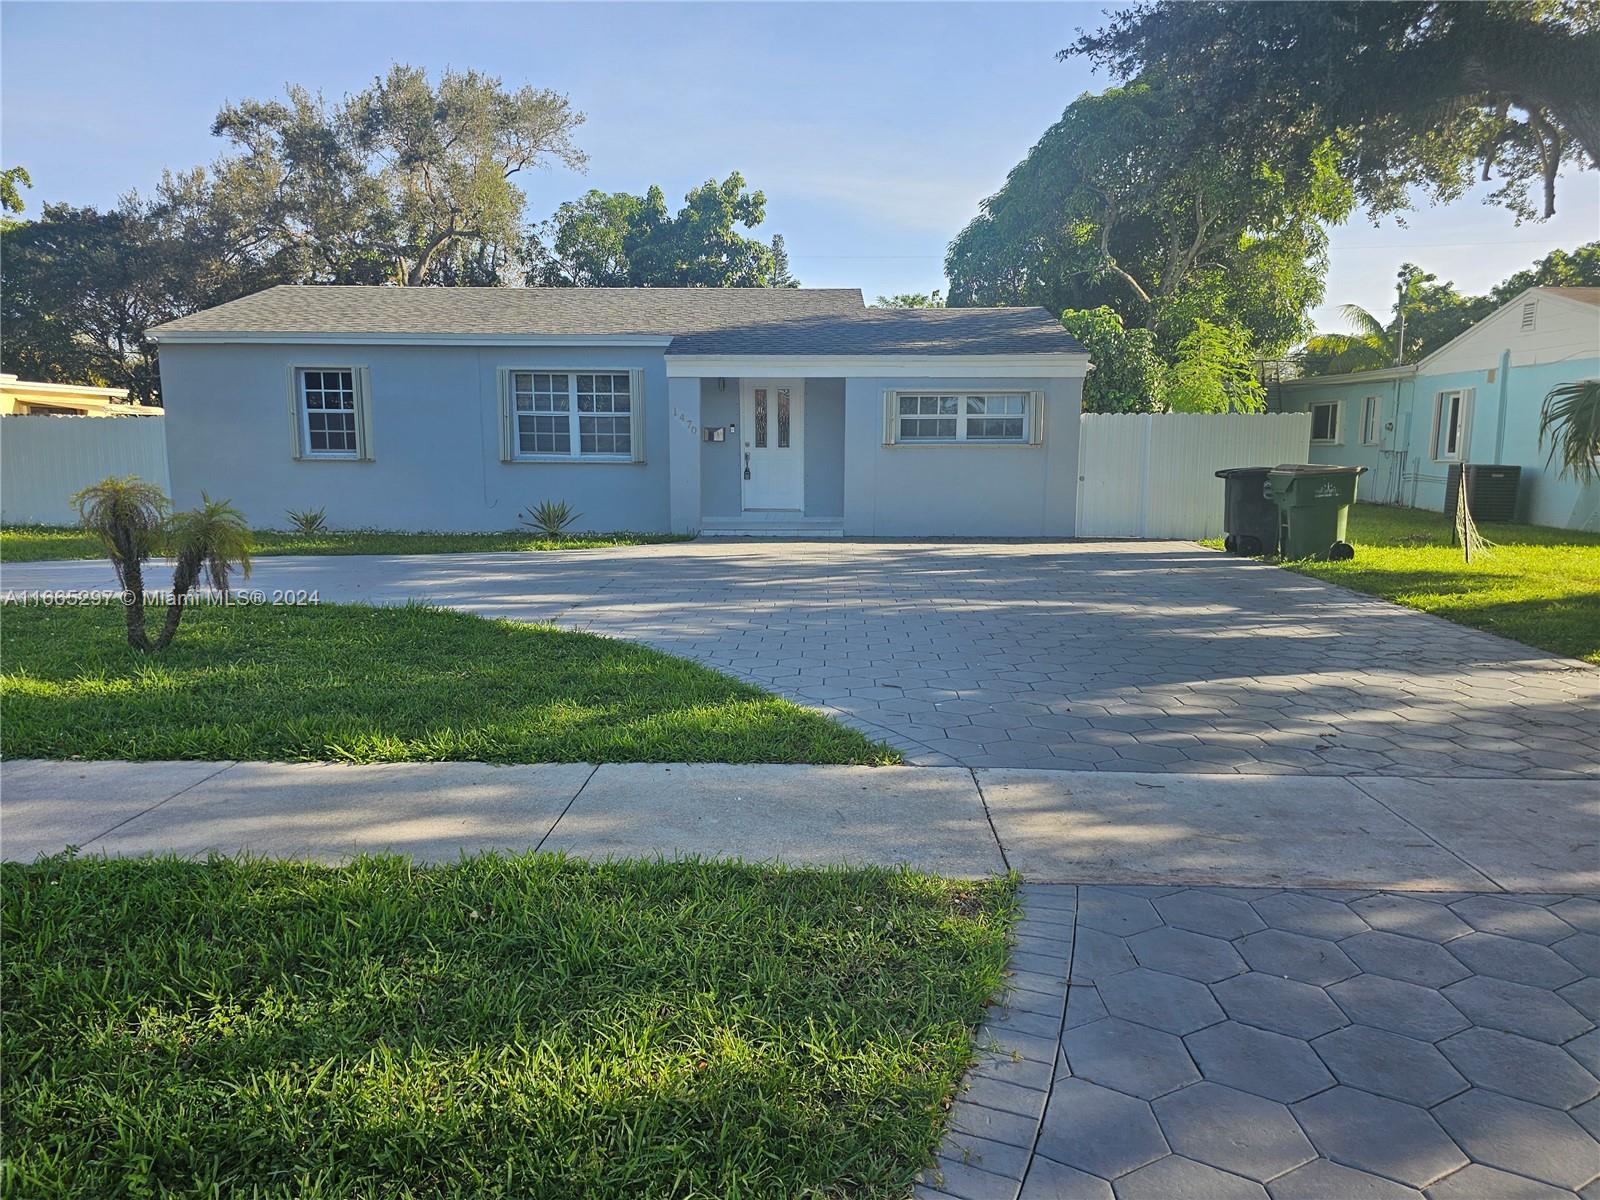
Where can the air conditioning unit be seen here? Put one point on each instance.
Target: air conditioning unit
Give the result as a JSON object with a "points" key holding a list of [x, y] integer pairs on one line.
{"points": [[1491, 491]]}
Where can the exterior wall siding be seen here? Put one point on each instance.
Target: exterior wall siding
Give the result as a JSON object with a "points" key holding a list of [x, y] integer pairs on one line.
{"points": [[960, 490], [435, 439], [1503, 427]]}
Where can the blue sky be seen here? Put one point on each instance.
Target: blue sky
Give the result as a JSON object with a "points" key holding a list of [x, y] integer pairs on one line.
{"points": [[874, 129]]}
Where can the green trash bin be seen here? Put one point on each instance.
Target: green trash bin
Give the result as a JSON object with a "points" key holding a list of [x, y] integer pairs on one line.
{"points": [[1313, 507]]}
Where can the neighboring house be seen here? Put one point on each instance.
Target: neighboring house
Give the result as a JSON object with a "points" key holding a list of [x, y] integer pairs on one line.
{"points": [[20, 397], [1477, 399], [719, 410]]}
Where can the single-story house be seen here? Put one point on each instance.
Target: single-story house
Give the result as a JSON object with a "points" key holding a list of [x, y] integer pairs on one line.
{"points": [[29, 398], [1476, 399], [792, 410]]}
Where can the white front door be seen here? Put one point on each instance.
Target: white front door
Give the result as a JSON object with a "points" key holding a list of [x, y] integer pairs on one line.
{"points": [[772, 436]]}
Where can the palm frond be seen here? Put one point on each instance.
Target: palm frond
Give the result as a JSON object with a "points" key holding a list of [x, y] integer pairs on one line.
{"points": [[1570, 418], [1367, 326]]}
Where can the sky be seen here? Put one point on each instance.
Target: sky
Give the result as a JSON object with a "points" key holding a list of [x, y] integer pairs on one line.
{"points": [[875, 130]]}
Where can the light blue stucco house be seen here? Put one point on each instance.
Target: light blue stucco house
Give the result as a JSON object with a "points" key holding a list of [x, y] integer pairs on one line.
{"points": [[732, 410], [1477, 399]]}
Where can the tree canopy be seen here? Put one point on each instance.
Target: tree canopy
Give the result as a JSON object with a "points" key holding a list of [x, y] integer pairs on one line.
{"points": [[1128, 374], [388, 183], [617, 239], [1129, 201], [1410, 92]]}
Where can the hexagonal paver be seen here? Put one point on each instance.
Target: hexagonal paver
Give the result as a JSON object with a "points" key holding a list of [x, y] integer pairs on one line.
{"points": [[1521, 1067], [1583, 995], [1052, 1181], [1406, 958], [1586, 1050], [1204, 911], [1131, 1058], [1582, 950], [1400, 1007], [1192, 955], [1518, 961], [1525, 1139], [1175, 1176], [1295, 956], [1098, 1130], [1233, 1131], [1384, 1137], [1281, 1005], [1314, 916], [1581, 912], [1533, 1012], [1511, 918], [1476, 1182], [1097, 955], [1258, 1061], [1324, 1180], [1411, 916], [1168, 1002], [1401, 1068], [1115, 912]]}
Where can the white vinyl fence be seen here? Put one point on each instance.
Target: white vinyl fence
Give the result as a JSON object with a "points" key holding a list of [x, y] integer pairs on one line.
{"points": [[44, 460], [1153, 475]]}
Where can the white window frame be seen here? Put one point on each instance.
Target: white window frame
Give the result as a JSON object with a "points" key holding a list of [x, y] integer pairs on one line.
{"points": [[1462, 398], [1029, 416], [1338, 423], [574, 451], [1371, 420], [301, 407]]}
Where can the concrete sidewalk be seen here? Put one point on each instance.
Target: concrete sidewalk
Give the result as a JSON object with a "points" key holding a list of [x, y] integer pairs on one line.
{"points": [[1052, 826]]}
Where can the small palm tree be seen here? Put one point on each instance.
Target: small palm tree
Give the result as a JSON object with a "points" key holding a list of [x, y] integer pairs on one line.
{"points": [[129, 517], [1571, 420], [207, 541]]}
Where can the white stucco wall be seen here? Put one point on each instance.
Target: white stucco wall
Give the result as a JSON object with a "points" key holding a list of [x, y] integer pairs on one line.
{"points": [[966, 490], [435, 439]]}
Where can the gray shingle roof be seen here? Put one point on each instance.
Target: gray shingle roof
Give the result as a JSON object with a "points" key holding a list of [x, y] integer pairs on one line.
{"points": [[797, 321], [892, 331], [553, 311]]}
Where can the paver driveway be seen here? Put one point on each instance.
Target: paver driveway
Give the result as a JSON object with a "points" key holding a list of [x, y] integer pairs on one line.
{"points": [[1238, 1043], [1148, 656]]}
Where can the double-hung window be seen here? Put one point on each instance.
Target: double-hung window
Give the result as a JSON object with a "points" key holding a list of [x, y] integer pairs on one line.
{"points": [[1371, 427], [961, 416], [572, 414], [1325, 422], [327, 412], [1450, 415]]}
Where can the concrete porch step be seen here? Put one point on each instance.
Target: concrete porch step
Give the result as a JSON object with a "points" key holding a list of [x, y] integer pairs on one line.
{"points": [[772, 525]]}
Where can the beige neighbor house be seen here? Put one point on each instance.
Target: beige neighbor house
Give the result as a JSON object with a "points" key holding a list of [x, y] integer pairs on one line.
{"points": [[20, 397]]}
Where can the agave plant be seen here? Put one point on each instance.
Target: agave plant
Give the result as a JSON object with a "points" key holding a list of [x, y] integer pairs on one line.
{"points": [[549, 517], [206, 541], [1571, 420], [129, 517], [308, 521]]}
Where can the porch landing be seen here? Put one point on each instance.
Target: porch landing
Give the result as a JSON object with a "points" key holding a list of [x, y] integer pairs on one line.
{"points": [[772, 525]]}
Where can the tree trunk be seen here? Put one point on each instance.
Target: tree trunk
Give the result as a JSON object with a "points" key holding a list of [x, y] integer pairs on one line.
{"points": [[133, 602], [183, 579]]}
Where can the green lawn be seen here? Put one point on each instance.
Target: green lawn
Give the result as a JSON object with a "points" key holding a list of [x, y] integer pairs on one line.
{"points": [[36, 543], [503, 1027], [1536, 585], [360, 684]]}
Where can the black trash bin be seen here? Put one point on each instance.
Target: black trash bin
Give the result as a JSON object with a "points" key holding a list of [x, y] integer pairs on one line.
{"points": [[1249, 516]]}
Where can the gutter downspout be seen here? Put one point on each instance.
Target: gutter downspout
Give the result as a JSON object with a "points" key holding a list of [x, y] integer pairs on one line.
{"points": [[1500, 422]]}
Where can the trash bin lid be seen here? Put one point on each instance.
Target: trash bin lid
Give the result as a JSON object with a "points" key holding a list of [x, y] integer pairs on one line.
{"points": [[1316, 469], [1230, 472]]}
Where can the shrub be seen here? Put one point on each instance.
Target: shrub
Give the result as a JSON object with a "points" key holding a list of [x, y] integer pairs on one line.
{"points": [[549, 517], [308, 521]]}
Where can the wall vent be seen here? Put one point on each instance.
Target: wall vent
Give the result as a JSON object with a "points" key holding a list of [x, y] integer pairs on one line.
{"points": [[1530, 313]]}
